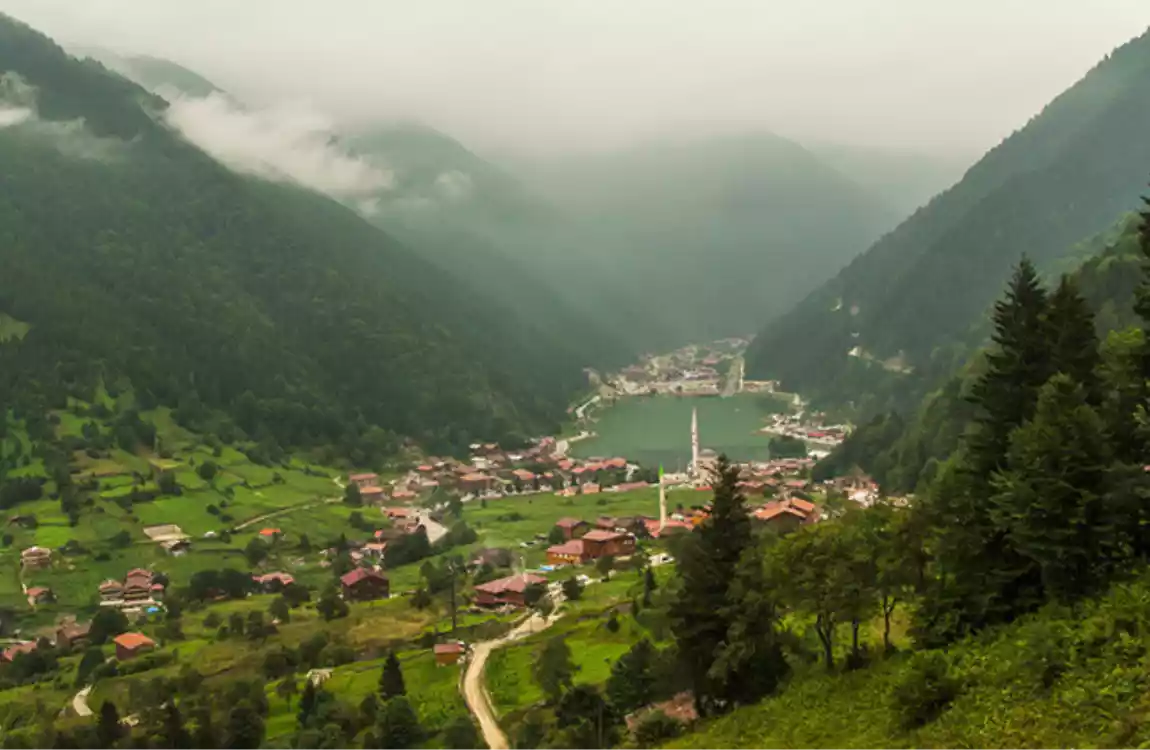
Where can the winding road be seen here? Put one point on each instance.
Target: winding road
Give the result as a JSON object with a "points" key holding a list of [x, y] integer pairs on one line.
{"points": [[475, 691]]}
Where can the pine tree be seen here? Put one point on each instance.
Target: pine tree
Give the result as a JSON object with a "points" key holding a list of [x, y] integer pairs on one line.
{"points": [[391, 679], [554, 669], [307, 703], [749, 664], [1074, 343], [980, 578], [707, 565], [398, 725], [108, 727], [1053, 497], [173, 732], [632, 681], [1017, 367]]}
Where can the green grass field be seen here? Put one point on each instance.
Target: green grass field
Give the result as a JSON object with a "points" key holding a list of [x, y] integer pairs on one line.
{"points": [[657, 429], [12, 329]]}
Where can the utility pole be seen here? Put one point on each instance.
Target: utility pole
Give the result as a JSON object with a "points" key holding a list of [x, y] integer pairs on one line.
{"points": [[451, 567]]}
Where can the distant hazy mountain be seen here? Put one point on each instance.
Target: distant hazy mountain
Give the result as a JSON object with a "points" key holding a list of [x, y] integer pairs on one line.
{"points": [[914, 297], [710, 235], [905, 180], [153, 73], [483, 225]]}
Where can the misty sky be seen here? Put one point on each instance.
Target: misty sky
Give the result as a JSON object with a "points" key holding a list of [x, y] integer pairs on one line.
{"points": [[944, 76]]}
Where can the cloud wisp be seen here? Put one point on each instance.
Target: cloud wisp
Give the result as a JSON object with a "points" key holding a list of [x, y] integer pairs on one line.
{"points": [[291, 143]]}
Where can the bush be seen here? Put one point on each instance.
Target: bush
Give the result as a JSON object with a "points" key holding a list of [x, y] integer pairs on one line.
{"points": [[925, 689], [656, 728]]}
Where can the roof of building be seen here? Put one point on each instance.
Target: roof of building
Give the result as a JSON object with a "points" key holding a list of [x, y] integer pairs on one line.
{"points": [[363, 477], [371, 491], [132, 641], [616, 463], [360, 574], [269, 532], [450, 648], [36, 591], [774, 510], [110, 585], [474, 477], [805, 506], [138, 573], [573, 547], [515, 584], [12, 652], [284, 578], [75, 630], [35, 552], [569, 523], [602, 535]]}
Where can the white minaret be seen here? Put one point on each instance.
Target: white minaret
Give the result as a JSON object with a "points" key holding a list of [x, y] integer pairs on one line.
{"points": [[662, 501], [694, 441]]}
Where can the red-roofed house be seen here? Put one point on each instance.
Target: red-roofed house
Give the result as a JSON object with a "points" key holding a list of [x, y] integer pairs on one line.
{"points": [[569, 553], [9, 654], [509, 590], [131, 645], [476, 482], [272, 582], [371, 494], [269, 535], [670, 527], [39, 595], [573, 528], [447, 654], [615, 463], [364, 481], [601, 543], [364, 585], [375, 550]]}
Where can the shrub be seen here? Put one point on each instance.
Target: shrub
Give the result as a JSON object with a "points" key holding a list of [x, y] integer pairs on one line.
{"points": [[925, 689], [656, 728]]}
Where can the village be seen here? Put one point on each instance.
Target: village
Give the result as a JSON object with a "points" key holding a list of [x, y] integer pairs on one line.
{"points": [[512, 559]]}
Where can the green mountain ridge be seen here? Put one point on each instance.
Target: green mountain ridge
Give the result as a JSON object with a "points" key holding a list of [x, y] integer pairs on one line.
{"points": [[1068, 174], [164, 271], [900, 452]]}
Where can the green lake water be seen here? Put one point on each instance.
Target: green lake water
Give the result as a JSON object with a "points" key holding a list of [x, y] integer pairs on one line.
{"points": [[654, 429]]}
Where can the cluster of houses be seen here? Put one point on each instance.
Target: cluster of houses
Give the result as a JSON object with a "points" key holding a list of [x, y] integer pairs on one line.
{"points": [[808, 427], [71, 636], [138, 591], [490, 471]]}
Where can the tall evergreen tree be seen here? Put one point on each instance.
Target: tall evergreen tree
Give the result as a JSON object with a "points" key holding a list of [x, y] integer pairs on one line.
{"points": [[632, 681], [980, 578], [749, 664], [1053, 500], [108, 727], [1074, 342], [391, 679], [173, 733], [707, 565], [1018, 365]]}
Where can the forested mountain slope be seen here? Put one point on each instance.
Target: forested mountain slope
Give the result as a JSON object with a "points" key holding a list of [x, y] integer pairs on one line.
{"points": [[135, 259], [455, 209], [1068, 174], [712, 235], [901, 451]]}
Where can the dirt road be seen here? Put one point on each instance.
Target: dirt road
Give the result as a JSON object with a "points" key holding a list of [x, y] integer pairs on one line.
{"points": [[474, 689], [80, 702]]}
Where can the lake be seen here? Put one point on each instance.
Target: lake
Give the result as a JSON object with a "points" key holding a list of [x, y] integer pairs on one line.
{"points": [[654, 429]]}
